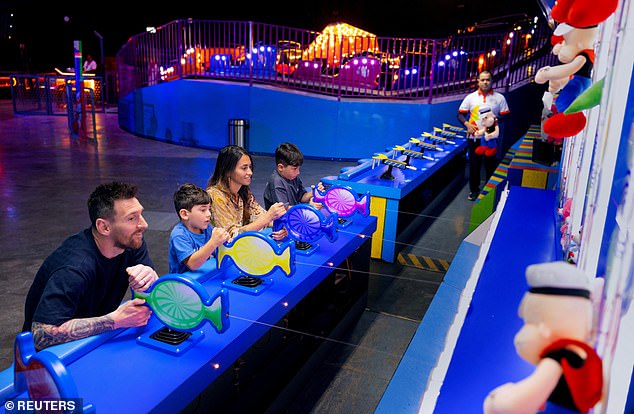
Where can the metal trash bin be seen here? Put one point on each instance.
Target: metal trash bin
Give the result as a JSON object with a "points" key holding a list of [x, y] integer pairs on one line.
{"points": [[238, 132]]}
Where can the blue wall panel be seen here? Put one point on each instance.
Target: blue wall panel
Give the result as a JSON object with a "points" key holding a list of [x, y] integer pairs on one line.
{"points": [[196, 113], [185, 112], [308, 121]]}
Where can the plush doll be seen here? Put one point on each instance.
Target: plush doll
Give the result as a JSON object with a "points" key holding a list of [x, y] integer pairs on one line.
{"points": [[573, 76], [566, 208], [488, 132], [557, 311], [554, 86], [579, 15], [564, 212]]}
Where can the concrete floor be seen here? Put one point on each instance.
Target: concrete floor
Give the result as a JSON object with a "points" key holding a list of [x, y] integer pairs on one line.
{"points": [[46, 176]]}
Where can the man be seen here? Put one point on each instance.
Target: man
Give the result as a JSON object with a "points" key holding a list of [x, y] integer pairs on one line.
{"points": [[77, 292], [469, 116], [90, 66]]}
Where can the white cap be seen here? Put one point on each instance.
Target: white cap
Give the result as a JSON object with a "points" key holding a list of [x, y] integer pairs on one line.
{"points": [[557, 278]]}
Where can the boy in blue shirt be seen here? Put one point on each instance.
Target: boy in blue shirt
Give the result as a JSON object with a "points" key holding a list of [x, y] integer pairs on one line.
{"points": [[193, 240], [284, 184]]}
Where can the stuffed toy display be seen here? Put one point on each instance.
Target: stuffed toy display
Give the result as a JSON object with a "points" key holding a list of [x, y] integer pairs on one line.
{"points": [[569, 242], [570, 79], [573, 44], [564, 213], [557, 336], [488, 132], [554, 86]]}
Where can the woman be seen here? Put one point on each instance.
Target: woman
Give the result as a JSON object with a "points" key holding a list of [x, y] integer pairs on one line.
{"points": [[233, 205]]}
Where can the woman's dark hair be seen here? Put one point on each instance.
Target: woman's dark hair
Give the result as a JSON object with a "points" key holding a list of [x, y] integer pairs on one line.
{"points": [[226, 162]]}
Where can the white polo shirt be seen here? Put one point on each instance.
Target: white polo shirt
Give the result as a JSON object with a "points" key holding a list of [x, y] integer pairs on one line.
{"points": [[471, 105]]}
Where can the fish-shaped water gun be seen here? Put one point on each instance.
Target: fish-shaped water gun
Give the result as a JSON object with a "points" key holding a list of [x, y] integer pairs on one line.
{"points": [[343, 200], [183, 304], [307, 224], [257, 255]]}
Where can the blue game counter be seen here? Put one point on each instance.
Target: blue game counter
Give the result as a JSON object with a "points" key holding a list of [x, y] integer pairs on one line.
{"points": [[116, 374], [396, 202]]}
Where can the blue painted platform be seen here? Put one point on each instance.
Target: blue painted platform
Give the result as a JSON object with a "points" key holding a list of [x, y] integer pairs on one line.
{"points": [[484, 356]]}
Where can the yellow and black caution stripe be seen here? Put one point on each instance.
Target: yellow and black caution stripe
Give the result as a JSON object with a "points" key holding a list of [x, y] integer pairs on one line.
{"points": [[423, 262]]}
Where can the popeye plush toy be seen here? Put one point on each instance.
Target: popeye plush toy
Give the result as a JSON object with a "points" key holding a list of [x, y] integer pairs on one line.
{"points": [[488, 132], [574, 46], [570, 79], [556, 337]]}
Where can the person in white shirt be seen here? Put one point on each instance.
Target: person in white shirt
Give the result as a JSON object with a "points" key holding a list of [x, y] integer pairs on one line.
{"points": [[90, 66], [469, 116]]}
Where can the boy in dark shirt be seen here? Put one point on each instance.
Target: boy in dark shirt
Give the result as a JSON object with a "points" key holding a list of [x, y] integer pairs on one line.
{"points": [[284, 184]]}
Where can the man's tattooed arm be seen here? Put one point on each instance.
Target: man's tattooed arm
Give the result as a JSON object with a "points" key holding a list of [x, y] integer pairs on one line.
{"points": [[45, 335]]}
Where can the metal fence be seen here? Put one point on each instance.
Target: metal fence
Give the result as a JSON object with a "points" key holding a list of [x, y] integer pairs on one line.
{"points": [[341, 60], [48, 94]]}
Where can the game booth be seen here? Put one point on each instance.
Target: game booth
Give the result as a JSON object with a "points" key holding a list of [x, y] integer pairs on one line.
{"points": [[538, 316], [240, 308], [534, 317]]}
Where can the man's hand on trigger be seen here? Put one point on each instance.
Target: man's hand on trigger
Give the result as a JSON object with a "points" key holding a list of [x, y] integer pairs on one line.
{"points": [[141, 277], [130, 314]]}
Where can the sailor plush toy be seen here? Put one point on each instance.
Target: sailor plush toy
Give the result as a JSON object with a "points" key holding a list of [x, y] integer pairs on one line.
{"points": [[556, 337], [488, 132]]}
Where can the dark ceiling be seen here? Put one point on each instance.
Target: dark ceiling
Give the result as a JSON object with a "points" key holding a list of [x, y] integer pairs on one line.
{"points": [[42, 37]]}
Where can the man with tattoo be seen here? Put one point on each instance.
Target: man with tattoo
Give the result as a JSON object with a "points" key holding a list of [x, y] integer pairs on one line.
{"points": [[77, 292]]}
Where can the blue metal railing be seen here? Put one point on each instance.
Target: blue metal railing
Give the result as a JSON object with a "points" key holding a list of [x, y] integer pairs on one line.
{"points": [[340, 61]]}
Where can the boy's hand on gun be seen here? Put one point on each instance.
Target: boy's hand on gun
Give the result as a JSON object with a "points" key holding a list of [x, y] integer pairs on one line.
{"points": [[220, 235], [280, 234], [321, 189], [318, 206]]}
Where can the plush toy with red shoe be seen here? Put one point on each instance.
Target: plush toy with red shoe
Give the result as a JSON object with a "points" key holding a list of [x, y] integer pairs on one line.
{"points": [[488, 133], [576, 53], [578, 20]]}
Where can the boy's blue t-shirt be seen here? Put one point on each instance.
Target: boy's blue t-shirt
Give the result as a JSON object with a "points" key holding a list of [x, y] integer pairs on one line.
{"points": [[183, 243]]}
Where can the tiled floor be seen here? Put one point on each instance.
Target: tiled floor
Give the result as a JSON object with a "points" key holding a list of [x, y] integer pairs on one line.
{"points": [[46, 176]]}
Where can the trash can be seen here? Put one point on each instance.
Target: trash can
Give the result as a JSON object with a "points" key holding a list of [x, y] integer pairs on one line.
{"points": [[238, 131]]}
